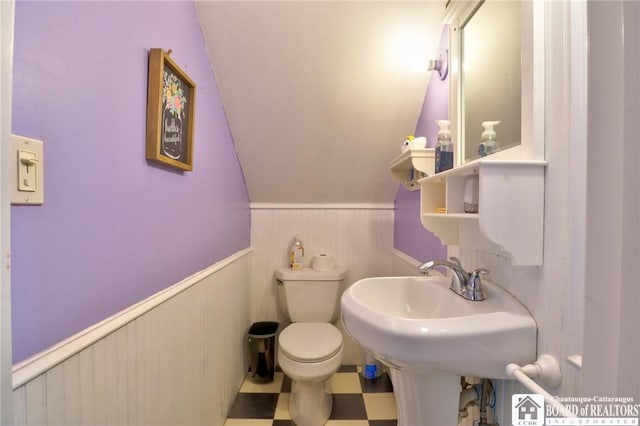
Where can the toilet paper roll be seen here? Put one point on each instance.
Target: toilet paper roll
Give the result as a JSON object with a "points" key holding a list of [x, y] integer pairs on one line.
{"points": [[322, 262]]}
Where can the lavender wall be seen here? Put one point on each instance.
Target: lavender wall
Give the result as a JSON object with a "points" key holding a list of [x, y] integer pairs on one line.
{"points": [[410, 236], [114, 229]]}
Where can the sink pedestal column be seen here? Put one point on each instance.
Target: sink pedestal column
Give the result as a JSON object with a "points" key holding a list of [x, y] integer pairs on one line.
{"points": [[426, 398]]}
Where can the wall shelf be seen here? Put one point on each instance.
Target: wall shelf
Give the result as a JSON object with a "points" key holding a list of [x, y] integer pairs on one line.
{"points": [[510, 205], [413, 165]]}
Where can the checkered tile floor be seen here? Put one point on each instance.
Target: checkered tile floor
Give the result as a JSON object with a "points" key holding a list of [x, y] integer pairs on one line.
{"points": [[356, 401]]}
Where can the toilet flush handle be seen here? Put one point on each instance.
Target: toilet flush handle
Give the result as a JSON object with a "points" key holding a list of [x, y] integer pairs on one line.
{"points": [[279, 282]]}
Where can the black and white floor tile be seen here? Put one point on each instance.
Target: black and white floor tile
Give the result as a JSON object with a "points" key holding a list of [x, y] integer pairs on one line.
{"points": [[356, 401]]}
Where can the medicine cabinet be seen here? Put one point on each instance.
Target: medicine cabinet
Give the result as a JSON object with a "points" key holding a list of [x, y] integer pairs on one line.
{"points": [[460, 14], [510, 182]]}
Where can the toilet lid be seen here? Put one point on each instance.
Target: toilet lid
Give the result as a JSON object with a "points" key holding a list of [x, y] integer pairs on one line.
{"points": [[310, 341]]}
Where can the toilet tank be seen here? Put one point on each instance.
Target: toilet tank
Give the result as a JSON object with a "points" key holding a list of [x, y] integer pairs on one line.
{"points": [[308, 295]]}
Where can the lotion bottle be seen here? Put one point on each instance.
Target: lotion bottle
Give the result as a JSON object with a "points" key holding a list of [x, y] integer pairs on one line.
{"points": [[296, 254], [489, 143], [444, 147]]}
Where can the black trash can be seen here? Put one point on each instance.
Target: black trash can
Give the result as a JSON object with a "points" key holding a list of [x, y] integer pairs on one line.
{"points": [[262, 346]]}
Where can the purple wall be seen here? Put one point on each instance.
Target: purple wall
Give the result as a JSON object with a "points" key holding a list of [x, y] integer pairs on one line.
{"points": [[410, 236], [436, 100], [114, 229]]}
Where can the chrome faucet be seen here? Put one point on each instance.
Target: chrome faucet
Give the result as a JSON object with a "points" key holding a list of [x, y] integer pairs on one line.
{"points": [[466, 284]]}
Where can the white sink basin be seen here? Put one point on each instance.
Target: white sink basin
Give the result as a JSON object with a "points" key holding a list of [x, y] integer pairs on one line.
{"points": [[419, 322], [430, 336]]}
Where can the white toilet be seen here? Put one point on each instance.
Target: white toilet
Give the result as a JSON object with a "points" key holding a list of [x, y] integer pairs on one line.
{"points": [[310, 349]]}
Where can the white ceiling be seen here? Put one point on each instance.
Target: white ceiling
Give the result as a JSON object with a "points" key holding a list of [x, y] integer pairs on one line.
{"points": [[320, 95]]}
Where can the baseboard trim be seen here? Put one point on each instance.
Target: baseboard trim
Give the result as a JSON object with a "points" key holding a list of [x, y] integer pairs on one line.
{"points": [[38, 364], [405, 257]]}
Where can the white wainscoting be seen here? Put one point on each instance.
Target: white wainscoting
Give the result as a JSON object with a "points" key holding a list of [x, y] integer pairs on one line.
{"points": [[177, 358], [359, 236], [404, 265]]}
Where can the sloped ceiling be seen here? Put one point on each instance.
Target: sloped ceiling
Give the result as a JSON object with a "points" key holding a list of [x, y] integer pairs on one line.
{"points": [[320, 95]]}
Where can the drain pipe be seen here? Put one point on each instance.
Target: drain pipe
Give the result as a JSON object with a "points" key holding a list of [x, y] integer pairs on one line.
{"points": [[468, 396], [485, 400], [478, 394]]}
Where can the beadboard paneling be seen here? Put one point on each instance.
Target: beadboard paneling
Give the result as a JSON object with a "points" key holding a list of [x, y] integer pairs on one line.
{"points": [[180, 362], [360, 239], [404, 265]]}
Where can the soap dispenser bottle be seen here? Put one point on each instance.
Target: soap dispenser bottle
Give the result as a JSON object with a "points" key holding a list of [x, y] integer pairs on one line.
{"points": [[444, 147], [296, 254], [488, 144]]}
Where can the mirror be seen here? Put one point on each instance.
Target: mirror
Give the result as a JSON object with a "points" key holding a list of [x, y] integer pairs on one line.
{"points": [[490, 75]]}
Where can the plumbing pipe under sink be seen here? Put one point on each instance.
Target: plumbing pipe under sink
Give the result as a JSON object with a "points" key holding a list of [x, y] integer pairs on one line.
{"points": [[468, 396]]}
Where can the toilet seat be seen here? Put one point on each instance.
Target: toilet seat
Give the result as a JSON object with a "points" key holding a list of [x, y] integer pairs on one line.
{"points": [[309, 342]]}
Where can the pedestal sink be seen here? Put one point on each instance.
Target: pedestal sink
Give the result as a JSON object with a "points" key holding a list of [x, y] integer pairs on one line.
{"points": [[429, 336]]}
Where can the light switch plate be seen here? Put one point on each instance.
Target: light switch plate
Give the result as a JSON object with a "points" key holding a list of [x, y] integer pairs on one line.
{"points": [[27, 170]]}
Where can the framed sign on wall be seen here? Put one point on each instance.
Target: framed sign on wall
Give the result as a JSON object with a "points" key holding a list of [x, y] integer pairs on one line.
{"points": [[171, 96]]}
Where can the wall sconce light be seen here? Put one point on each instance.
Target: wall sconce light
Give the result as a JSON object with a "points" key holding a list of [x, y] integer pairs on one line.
{"points": [[441, 65]]}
